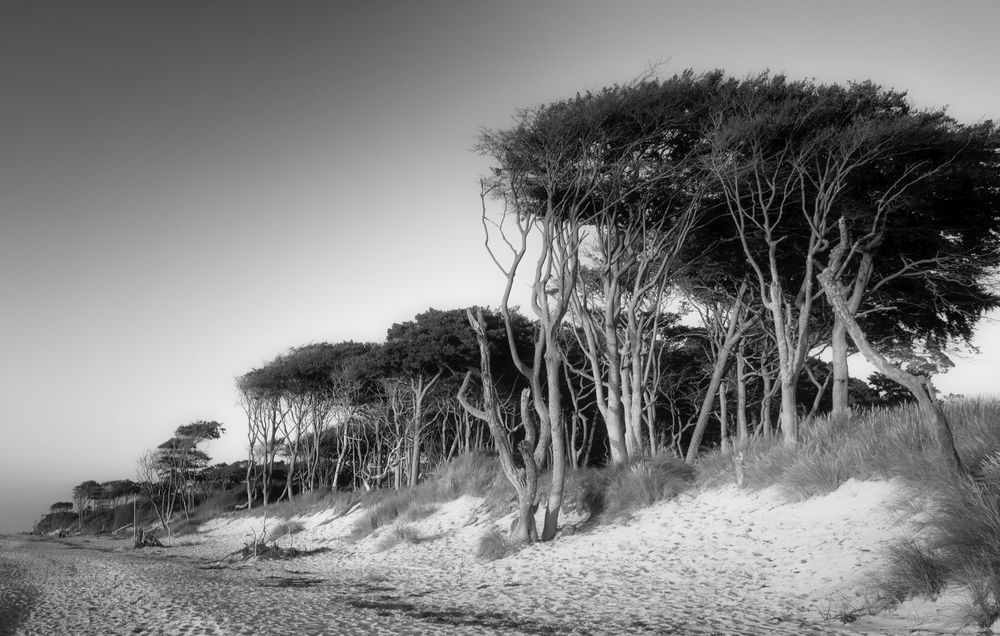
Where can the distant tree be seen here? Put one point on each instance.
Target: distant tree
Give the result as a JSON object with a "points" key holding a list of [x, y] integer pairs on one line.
{"points": [[170, 474], [118, 490], [888, 392], [61, 507], [435, 349], [84, 495]]}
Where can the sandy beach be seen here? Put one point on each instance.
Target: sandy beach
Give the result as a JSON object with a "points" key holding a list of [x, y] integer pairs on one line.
{"points": [[713, 562]]}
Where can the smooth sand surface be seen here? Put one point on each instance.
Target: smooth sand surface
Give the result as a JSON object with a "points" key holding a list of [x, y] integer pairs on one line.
{"points": [[720, 561]]}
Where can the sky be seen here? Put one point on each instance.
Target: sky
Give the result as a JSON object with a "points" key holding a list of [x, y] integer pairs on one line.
{"points": [[189, 188]]}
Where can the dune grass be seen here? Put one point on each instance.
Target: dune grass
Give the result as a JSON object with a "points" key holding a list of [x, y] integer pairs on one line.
{"points": [[875, 444], [475, 474], [496, 544], [959, 532], [615, 492], [958, 541], [958, 522]]}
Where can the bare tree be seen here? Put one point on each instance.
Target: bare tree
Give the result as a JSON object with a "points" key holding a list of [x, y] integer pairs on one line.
{"points": [[524, 478]]}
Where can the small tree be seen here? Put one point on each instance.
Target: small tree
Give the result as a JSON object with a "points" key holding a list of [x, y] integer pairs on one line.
{"points": [[524, 478]]}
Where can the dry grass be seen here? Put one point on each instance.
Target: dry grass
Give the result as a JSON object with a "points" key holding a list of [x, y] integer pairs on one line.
{"points": [[401, 534], [875, 444], [958, 538], [614, 492], [496, 544], [284, 529]]}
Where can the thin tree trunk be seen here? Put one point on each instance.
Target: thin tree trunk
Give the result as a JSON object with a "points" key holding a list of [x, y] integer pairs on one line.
{"points": [[742, 433], [734, 332], [524, 480], [724, 417]]}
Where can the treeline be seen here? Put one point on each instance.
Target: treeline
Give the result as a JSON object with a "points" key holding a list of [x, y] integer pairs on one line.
{"points": [[692, 246], [171, 480], [792, 217]]}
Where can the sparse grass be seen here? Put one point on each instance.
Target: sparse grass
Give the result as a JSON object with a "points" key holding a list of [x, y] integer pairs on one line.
{"points": [[383, 513], [475, 474], [958, 541], [401, 534], [496, 544], [418, 512], [875, 444], [284, 529]]}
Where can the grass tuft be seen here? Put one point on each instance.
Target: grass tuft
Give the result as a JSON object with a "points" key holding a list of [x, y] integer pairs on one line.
{"points": [[284, 529], [615, 492], [382, 513], [401, 534], [495, 544]]}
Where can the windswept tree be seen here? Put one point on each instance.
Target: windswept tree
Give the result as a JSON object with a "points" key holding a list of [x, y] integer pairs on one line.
{"points": [[84, 496], [520, 469], [608, 184], [169, 475]]}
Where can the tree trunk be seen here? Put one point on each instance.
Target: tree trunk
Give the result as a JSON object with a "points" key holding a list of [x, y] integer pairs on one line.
{"points": [[524, 480], [414, 457], [553, 362], [841, 373], [724, 417], [934, 415], [733, 334], [741, 401]]}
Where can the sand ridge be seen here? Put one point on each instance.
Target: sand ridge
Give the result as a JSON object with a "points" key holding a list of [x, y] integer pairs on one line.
{"points": [[720, 561]]}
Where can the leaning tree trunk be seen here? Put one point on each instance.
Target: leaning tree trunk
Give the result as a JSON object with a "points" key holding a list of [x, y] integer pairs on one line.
{"points": [[931, 408], [734, 333]]}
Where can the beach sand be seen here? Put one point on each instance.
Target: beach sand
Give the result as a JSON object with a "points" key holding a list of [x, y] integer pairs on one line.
{"points": [[720, 561]]}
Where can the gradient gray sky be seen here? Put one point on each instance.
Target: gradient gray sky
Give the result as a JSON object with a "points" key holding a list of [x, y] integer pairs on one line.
{"points": [[189, 188]]}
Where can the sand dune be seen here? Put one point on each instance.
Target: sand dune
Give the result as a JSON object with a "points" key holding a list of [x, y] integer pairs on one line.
{"points": [[714, 562]]}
